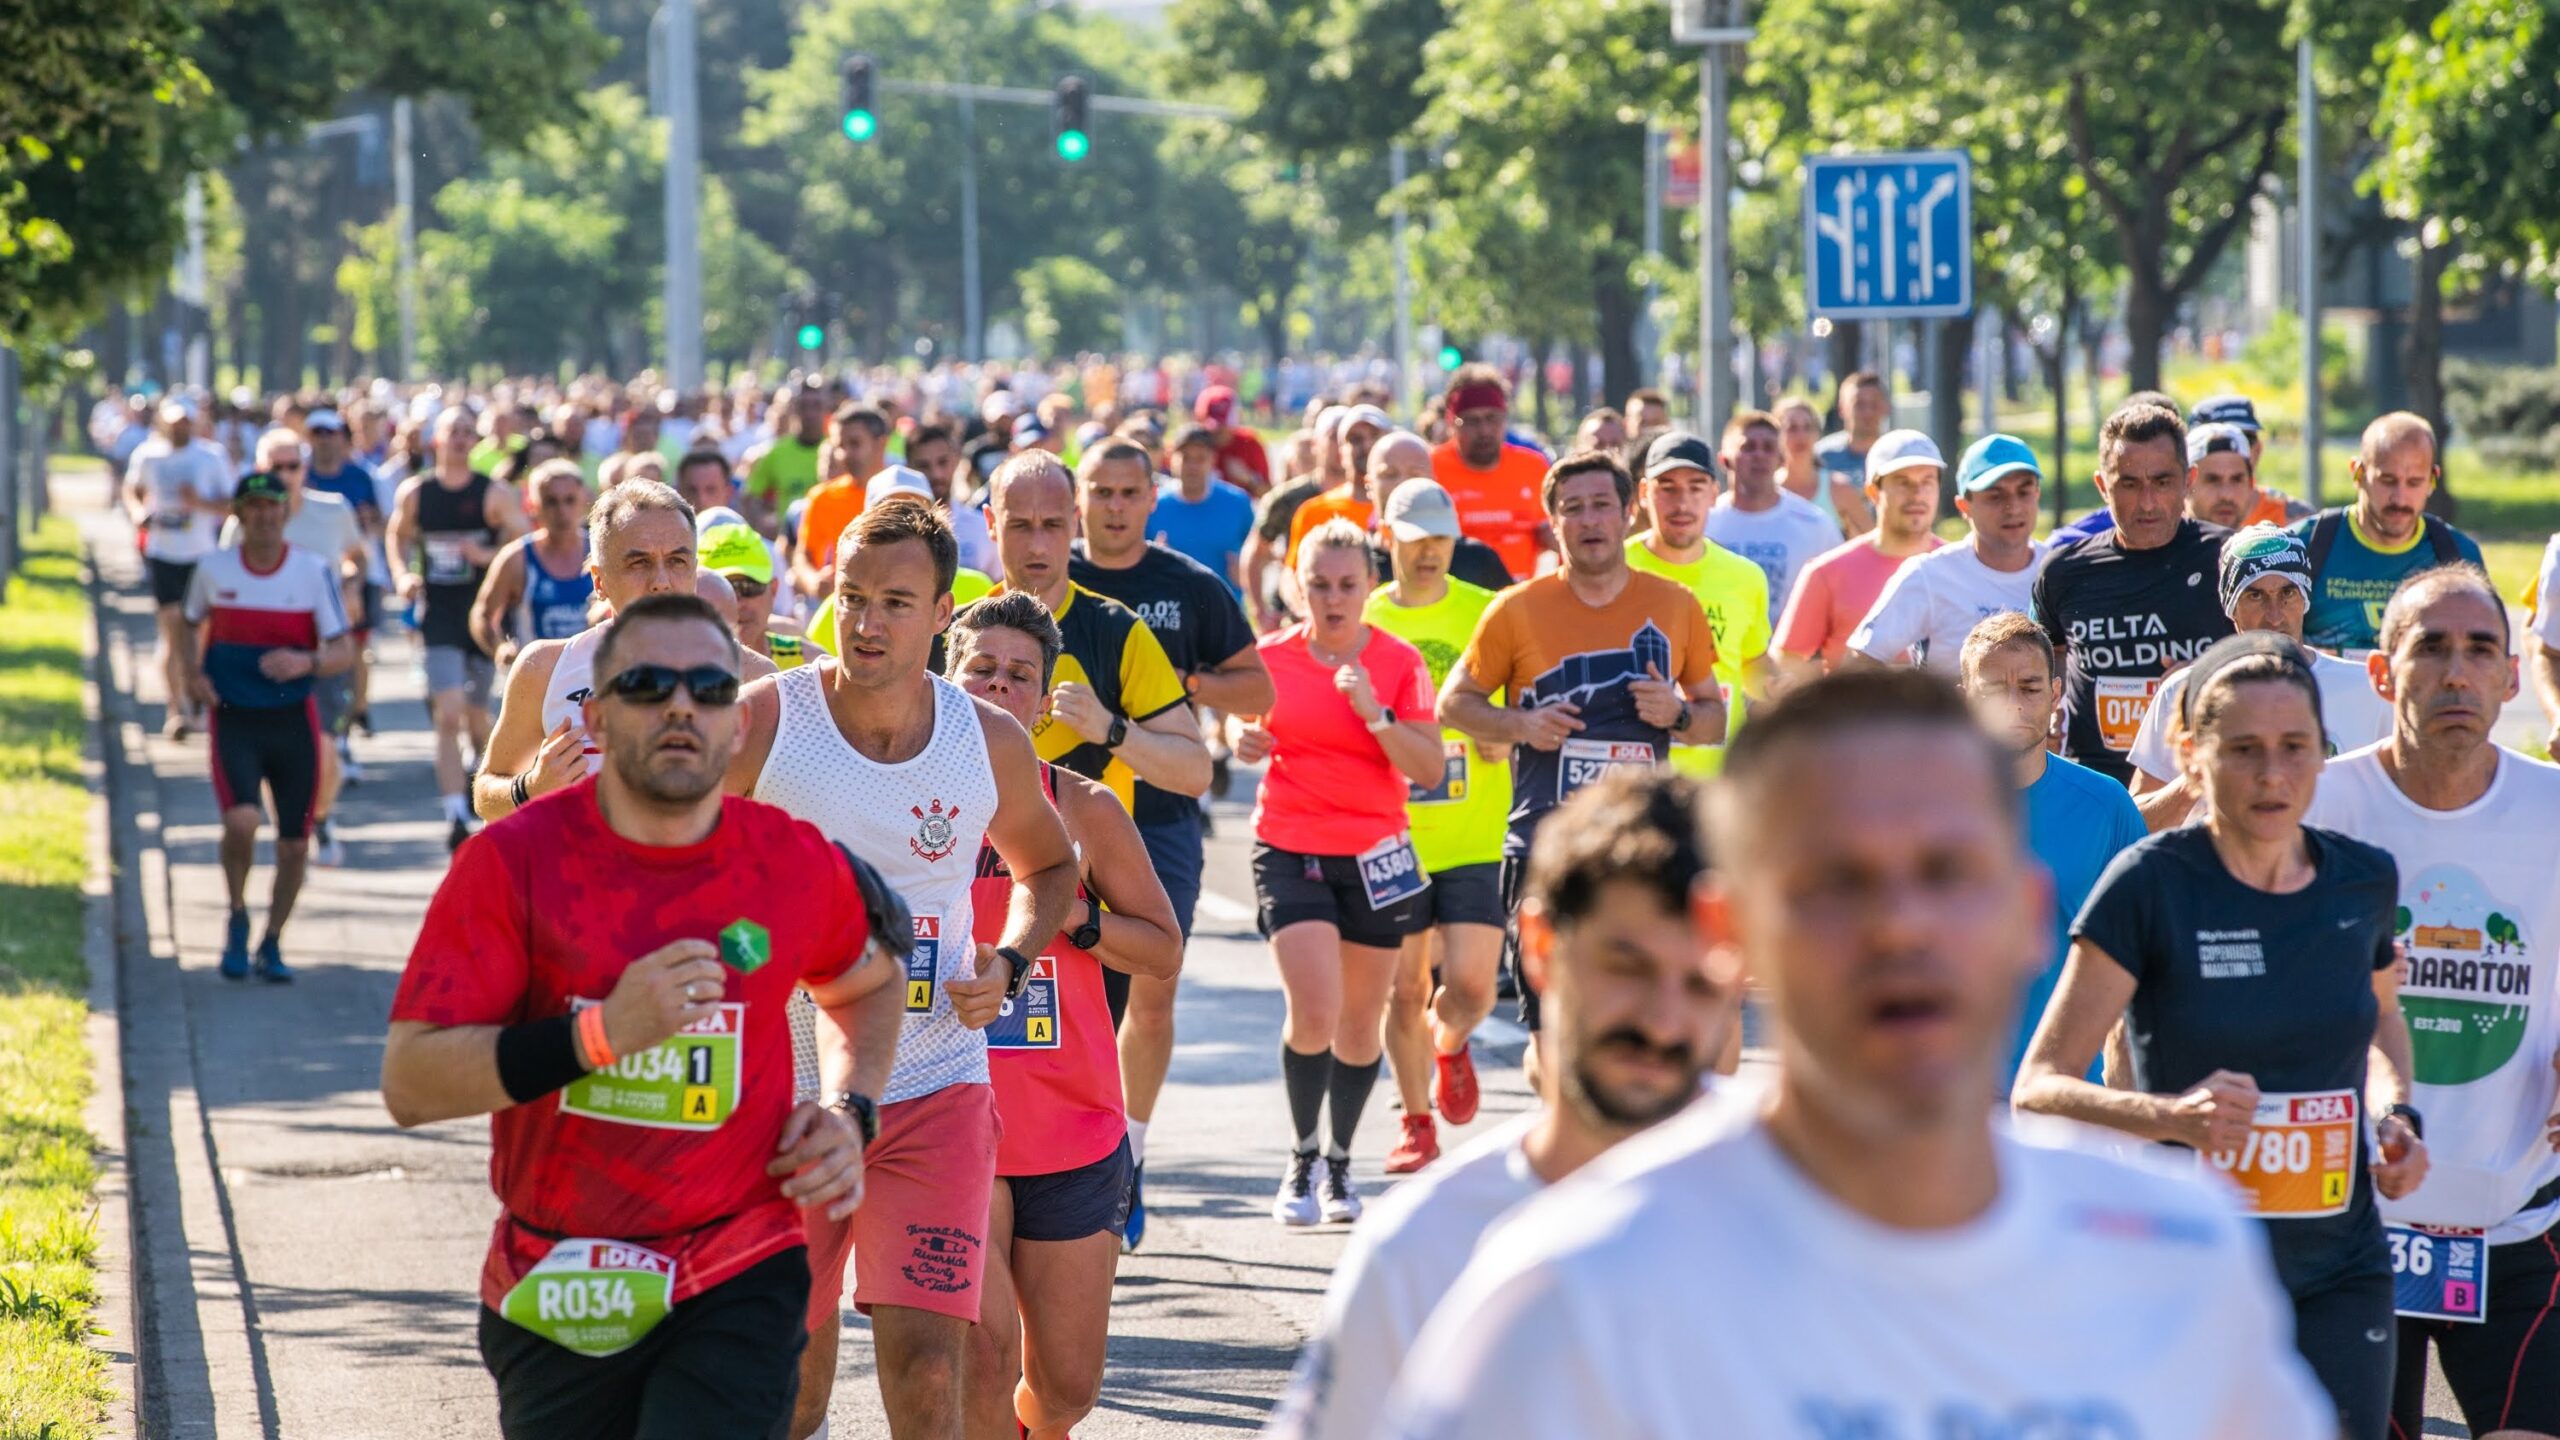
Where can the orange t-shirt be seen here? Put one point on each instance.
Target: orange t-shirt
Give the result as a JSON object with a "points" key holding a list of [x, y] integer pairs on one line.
{"points": [[2268, 511], [1497, 506], [830, 507], [1540, 643], [1344, 503]]}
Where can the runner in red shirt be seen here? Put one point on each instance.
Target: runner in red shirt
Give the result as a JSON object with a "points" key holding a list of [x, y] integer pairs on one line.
{"points": [[1064, 1161], [1242, 462], [1335, 878], [604, 973]]}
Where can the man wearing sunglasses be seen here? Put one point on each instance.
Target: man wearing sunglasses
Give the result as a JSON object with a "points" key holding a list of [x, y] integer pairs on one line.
{"points": [[732, 550], [639, 543], [627, 1034], [911, 773]]}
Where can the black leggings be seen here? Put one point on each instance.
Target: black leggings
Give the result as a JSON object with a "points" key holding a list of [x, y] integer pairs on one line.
{"points": [[2347, 1330], [2505, 1371], [726, 1362]]}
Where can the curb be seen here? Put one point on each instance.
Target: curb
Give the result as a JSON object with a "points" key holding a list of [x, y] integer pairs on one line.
{"points": [[115, 1327]]}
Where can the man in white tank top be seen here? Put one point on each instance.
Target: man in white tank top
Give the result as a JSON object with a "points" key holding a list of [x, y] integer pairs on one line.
{"points": [[910, 773], [639, 542]]}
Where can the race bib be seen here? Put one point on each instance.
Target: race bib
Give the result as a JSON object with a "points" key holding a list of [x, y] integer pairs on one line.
{"points": [[924, 959], [1579, 762], [690, 1082], [448, 562], [2439, 1274], [1391, 873], [2122, 702], [596, 1297], [2299, 1161], [1030, 1020], [1453, 778]]}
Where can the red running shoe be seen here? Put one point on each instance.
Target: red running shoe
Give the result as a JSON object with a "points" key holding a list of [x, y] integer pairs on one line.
{"points": [[1419, 1147], [1453, 1086]]}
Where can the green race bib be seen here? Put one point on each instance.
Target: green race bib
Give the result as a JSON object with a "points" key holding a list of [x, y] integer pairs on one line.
{"points": [[688, 1083], [596, 1297]]}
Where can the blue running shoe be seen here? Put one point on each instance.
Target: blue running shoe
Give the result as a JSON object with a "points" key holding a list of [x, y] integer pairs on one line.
{"points": [[1133, 1231], [271, 967], [235, 947]]}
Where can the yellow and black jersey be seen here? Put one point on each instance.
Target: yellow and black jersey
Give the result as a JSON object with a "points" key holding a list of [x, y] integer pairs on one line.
{"points": [[1109, 648]]}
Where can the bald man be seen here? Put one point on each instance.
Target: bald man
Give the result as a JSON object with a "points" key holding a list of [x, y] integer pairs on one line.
{"points": [[2361, 552], [1401, 455]]}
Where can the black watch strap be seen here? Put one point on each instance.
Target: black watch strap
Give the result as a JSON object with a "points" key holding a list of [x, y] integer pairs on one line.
{"points": [[1020, 974], [2409, 1113], [864, 1111], [1119, 733], [1088, 934]]}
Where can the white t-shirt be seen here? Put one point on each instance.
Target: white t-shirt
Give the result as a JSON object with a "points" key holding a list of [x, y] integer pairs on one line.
{"points": [[1781, 540], [1935, 600], [2349, 710], [1693, 1282], [179, 535], [2480, 908], [323, 524], [1400, 1261]]}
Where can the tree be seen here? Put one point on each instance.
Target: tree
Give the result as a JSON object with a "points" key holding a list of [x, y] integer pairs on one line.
{"points": [[2173, 115], [1541, 173]]}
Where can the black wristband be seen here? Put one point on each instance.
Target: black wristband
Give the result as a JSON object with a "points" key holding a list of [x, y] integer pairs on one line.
{"points": [[517, 788], [538, 1057]]}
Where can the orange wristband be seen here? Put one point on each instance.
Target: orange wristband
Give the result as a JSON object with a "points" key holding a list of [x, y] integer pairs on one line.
{"points": [[591, 1039]]}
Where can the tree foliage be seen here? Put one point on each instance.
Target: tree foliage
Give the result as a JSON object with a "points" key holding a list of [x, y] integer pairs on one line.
{"points": [[2469, 120]]}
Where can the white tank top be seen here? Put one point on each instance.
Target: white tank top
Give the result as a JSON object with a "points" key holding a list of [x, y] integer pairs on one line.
{"points": [[919, 822], [571, 678]]}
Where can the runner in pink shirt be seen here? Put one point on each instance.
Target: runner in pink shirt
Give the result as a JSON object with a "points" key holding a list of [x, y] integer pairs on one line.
{"points": [[1839, 587], [1062, 1161]]}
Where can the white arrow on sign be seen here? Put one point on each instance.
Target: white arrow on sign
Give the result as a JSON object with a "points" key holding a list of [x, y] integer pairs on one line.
{"points": [[1838, 229], [1938, 193], [1886, 194]]}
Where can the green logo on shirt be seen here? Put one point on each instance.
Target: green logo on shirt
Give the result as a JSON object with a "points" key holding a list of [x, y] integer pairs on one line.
{"points": [[2470, 988], [745, 945]]}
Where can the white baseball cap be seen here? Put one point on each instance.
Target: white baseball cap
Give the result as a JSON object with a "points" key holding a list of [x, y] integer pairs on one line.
{"points": [[177, 408], [999, 405], [1365, 415], [1901, 450], [1421, 510], [896, 480]]}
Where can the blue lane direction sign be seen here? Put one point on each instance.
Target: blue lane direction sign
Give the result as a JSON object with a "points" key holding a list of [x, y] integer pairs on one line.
{"points": [[1889, 236]]}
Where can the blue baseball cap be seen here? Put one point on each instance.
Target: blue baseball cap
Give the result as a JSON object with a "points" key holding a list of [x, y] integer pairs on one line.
{"points": [[1993, 458]]}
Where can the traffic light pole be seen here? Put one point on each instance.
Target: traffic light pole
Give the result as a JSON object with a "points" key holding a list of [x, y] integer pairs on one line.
{"points": [[682, 277], [1017, 95], [1716, 28], [973, 300]]}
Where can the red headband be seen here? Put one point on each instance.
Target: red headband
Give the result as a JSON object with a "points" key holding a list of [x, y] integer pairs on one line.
{"points": [[1478, 395]]}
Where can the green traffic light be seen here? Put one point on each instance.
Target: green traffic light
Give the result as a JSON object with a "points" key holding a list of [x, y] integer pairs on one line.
{"points": [[1073, 145], [860, 125], [812, 337], [1450, 358]]}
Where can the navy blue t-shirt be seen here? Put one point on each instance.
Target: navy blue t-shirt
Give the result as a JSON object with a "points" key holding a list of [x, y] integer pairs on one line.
{"points": [[2276, 987]]}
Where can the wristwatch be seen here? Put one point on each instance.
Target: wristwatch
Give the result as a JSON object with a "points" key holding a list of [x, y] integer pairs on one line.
{"points": [[1680, 722], [1021, 975], [1119, 732], [862, 1110], [1088, 934], [2417, 1123]]}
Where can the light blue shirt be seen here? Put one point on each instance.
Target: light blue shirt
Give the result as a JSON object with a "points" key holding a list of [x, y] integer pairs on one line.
{"points": [[1211, 530], [2077, 819]]}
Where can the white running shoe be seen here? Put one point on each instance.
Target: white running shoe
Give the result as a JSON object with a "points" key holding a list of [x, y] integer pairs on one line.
{"points": [[1341, 1202], [326, 850], [1296, 1205]]}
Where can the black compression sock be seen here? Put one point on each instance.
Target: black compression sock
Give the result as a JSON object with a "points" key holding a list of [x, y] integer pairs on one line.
{"points": [[1349, 1096], [1304, 1077]]}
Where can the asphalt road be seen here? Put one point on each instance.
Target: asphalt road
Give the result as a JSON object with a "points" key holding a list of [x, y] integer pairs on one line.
{"points": [[306, 1269]]}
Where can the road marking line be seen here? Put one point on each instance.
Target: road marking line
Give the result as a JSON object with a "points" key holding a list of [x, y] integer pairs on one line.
{"points": [[1219, 908]]}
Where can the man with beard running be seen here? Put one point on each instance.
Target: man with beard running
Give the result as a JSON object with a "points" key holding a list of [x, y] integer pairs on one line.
{"points": [[911, 773], [1612, 932], [604, 975], [639, 543], [1868, 868]]}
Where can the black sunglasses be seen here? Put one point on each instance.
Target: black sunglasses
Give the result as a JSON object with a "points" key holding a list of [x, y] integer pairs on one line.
{"points": [[654, 684]]}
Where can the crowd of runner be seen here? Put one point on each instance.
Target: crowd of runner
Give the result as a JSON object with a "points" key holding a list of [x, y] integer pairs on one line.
{"points": [[826, 772]]}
